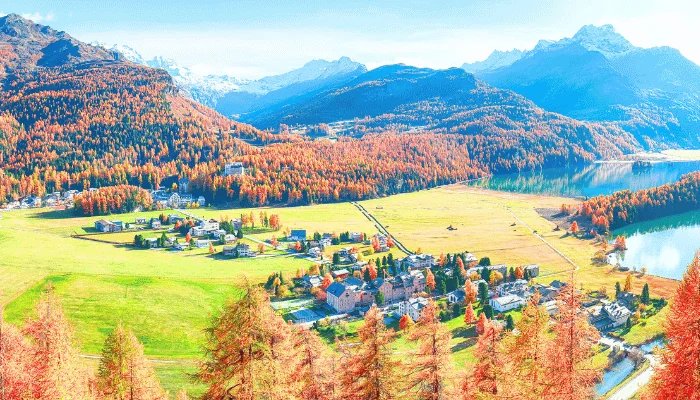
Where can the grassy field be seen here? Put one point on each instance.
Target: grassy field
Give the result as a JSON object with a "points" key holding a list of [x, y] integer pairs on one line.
{"points": [[167, 297]]}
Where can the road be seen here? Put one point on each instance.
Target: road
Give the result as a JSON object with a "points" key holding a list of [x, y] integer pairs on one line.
{"points": [[630, 388], [576, 266], [381, 227]]}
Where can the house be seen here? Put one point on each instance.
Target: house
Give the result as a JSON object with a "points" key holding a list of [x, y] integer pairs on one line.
{"points": [[155, 223], [237, 223], [419, 261], [201, 243], [506, 303], [185, 199], [533, 270], [628, 300], [518, 287], [104, 226], [230, 251], [311, 281], [551, 307], [469, 258], [557, 284], [413, 307], [173, 218], [244, 250], [174, 200], [119, 226], [345, 251], [341, 296], [609, 315], [140, 221], [547, 293], [230, 238], [234, 168], [219, 233], [181, 246], [356, 236], [341, 273], [325, 242], [458, 296], [314, 252], [152, 242], [209, 226], [297, 234], [201, 201], [405, 285], [197, 231]]}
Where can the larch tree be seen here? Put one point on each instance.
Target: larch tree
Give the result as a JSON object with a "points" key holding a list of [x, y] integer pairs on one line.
{"points": [[470, 291], [430, 279], [431, 368], [124, 372], [486, 371], [405, 322], [678, 376], [628, 283], [469, 316], [56, 371], [14, 366], [571, 351], [247, 350], [372, 370], [182, 395], [524, 353], [310, 375]]}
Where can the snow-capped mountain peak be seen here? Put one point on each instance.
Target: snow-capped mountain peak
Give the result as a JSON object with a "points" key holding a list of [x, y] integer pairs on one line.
{"points": [[496, 60], [603, 39], [128, 52]]}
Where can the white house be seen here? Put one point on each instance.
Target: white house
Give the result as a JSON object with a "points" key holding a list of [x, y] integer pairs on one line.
{"points": [[413, 307], [201, 243], [506, 303], [419, 261], [197, 231]]}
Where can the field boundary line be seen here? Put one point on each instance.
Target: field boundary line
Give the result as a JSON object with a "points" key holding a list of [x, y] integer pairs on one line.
{"points": [[381, 227]]}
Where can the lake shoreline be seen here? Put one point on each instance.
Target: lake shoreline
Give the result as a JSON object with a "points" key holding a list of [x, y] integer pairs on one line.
{"points": [[656, 157]]}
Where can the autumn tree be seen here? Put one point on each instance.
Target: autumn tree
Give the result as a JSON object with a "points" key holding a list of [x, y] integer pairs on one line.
{"points": [[247, 350], [486, 371], [469, 316], [327, 280], [470, 291], [405, 322], [677, 375], [572, 349], [310, 375], [574, 227], [56, 371], [124, 373], [628, 283], [15, 351], [371, 368], [431, 369], [430, 279], [524, 352]]}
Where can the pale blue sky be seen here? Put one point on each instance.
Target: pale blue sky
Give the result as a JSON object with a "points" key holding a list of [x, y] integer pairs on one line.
{"points": [[255, 38]]}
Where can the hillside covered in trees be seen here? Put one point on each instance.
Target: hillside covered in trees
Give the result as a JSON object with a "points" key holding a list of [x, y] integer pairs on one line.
{"points": [[85, 118], [627, 207]]}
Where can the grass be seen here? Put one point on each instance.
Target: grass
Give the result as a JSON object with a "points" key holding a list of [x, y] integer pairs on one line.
{"points": [[647, 328], [168, 316]]}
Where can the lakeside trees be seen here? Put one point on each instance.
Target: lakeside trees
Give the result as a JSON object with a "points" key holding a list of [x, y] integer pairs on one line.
{"points": [[677, 377], [627, 207]]}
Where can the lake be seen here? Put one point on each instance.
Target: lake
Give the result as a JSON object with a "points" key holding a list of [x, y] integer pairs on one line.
{"points": [[588, 180], [615, 376], [665, 246]]}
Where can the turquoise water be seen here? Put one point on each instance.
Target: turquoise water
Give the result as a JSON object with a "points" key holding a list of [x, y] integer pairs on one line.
{"points": [[617, 374], [588, 180], [665, 246]]}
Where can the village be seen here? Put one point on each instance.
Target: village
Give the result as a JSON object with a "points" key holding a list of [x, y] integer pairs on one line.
{"points": [[352, 271]]}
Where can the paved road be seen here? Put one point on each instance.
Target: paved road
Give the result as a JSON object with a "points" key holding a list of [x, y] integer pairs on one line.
{"points": [[381, 227], [632, 387]]}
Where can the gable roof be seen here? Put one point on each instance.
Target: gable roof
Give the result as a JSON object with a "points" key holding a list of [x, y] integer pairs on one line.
{"points": [[336, 289]]}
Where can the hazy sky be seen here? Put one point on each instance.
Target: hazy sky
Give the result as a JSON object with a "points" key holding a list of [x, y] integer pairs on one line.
{"points": [[255, 38]]}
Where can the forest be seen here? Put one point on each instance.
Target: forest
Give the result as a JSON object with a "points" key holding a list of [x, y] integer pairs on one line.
{"points": [[627, 207]]}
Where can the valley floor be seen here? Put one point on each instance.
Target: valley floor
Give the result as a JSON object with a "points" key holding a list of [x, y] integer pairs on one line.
{"points": [[167, 298]]}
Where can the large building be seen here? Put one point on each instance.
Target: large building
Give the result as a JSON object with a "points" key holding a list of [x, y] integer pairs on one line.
{"points": [[352, 293], [413, 307], [234, 168], [419, 261]]}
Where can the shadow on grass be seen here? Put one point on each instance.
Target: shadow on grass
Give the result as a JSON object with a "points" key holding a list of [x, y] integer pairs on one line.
{"points": [[55, 214]]}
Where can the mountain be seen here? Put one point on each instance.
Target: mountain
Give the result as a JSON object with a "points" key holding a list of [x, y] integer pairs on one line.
{"points": [[25, 47], [232, 96], [405, 98], [496, 60], [598, 75], [74, 115], [273, 92]]}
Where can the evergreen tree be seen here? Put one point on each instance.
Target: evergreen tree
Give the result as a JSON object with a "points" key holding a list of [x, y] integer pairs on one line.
{"points": [[645, 299], [510, 324], [488, 311], [618, 290], [486, 274], [380, 298], [483, 293], [485, 262]]}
